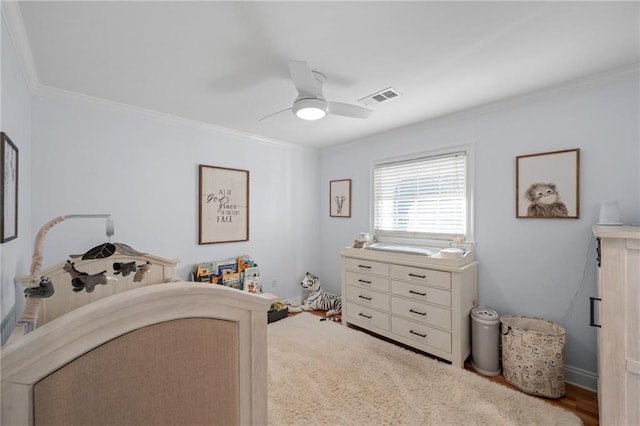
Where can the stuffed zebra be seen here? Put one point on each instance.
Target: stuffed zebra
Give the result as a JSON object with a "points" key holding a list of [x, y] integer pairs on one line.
{"points": [[316, 298]]}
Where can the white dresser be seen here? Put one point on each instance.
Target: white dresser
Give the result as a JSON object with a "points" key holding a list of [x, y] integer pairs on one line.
{"points": [[423, 302], [619, 319]]}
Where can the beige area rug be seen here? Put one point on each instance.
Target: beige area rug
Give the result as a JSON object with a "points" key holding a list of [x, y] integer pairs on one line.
{"points": [[323, 373]]}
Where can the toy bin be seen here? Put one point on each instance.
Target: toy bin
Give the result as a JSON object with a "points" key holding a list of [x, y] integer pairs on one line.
{"points": [[533, 355]]}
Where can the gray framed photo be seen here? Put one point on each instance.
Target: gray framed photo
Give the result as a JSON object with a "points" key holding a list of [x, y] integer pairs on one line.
{"points": [[548, 185], [340, 198], [224, 205], [9, 160]]}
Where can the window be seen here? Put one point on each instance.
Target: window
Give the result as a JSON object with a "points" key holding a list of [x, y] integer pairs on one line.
{"points": [[423, 197]]}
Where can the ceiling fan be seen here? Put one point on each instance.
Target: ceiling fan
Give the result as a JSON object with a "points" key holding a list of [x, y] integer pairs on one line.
{"points": [[310, 104]]}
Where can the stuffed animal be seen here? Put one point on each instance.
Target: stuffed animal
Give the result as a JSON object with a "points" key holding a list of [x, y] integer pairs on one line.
{"points": [[141, 272], [44, 289], [317, 299], [124, 268], [83, 281]]}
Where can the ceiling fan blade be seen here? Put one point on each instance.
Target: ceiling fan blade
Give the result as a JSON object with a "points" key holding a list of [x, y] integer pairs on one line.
{"points": [[277, 112], [349, 110], [303, 78]]}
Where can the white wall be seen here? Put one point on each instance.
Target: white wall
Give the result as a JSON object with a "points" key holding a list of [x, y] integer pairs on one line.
{"points": [[81, 157], [542, 268], [16, 123], [143, 169]]}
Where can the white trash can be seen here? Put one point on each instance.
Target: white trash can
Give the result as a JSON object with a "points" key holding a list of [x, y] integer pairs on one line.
{"points": [[485, 341]]}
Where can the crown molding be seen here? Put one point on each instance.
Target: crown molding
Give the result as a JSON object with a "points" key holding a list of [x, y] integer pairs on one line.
{"points": [[570, 86], [12, 17], [52, 92], [550, 92]]}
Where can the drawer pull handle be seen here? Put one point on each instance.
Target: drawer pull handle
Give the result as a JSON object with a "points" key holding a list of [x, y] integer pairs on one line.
{"points": [[418, 276], [366, 316], [364, 266], [592, 320], [364, 297], [417, 292], [417, 312], [364, 281], [418, 334]]}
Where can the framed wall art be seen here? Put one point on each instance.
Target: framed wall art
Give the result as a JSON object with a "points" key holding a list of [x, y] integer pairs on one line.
{"points": [[224, 205], [340, 198], [9, 220], [548, 185]]}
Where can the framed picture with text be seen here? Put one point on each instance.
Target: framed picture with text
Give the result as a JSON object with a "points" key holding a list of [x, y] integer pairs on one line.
{"points": [[340, 198], [9, 219], [223, 205]]}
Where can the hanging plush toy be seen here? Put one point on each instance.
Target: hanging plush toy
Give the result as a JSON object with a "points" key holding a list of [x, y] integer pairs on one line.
{"points": [[124, 268], [83, 281], [44, 289], [141, 272]]}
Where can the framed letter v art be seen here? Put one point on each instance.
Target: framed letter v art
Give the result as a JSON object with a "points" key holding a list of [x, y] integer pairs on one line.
{"points": [[340, 198], [224, 205]]}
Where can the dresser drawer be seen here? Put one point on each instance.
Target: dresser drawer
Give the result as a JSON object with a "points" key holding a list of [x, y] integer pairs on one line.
{"points": [[368, 298], [367, 266], [368, 281], [422, 293], [421, 276], [365, 317], [422, 334], [427, 314]]}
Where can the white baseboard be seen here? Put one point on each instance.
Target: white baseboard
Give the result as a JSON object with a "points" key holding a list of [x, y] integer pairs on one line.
{"points": [[581, 378]]}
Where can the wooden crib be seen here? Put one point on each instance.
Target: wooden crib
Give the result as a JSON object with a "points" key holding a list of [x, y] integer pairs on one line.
{"points": [[162, 353]]}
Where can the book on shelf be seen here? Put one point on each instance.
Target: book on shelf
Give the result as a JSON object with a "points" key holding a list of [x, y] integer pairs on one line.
{"points": [[253, 284], [203, 272], [222, 267], [241, 273], [232, 280], [253, 271]]}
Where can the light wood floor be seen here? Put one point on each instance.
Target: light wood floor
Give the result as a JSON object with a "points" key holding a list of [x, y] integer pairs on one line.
{"points": [[582, 402]]}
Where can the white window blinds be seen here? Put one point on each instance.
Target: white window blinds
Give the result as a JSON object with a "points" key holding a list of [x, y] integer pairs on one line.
{"points": [[421, 197]]}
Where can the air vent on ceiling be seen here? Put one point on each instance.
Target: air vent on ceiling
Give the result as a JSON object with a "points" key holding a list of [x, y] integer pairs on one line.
{"points": [[379, 97]]}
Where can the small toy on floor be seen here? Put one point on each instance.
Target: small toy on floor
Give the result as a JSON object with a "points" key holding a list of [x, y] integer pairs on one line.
{"points": [[277, 311], [317, 299]]}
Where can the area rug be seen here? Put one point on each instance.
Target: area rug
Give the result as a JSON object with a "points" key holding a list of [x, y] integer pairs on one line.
{"points": [[323, 373]]}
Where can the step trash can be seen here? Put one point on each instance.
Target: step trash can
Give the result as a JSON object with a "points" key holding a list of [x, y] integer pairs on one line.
{"points": [[533, 355], [485, 341]]}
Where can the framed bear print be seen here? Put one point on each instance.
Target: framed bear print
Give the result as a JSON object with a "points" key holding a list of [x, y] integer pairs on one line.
{"points": [[224, 205], [548, 185]]}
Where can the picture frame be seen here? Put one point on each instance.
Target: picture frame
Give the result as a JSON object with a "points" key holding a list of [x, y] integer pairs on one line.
{"points": [[548, 185], [10, 163], [223, 205], [340, 198]]}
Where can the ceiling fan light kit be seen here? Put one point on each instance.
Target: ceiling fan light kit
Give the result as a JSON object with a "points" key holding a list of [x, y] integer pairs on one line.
{"points": [[310, 108], [311, 103]]}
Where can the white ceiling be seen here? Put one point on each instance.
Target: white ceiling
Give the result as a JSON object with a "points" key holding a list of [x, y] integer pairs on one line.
{"points": [[226, 63]]}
